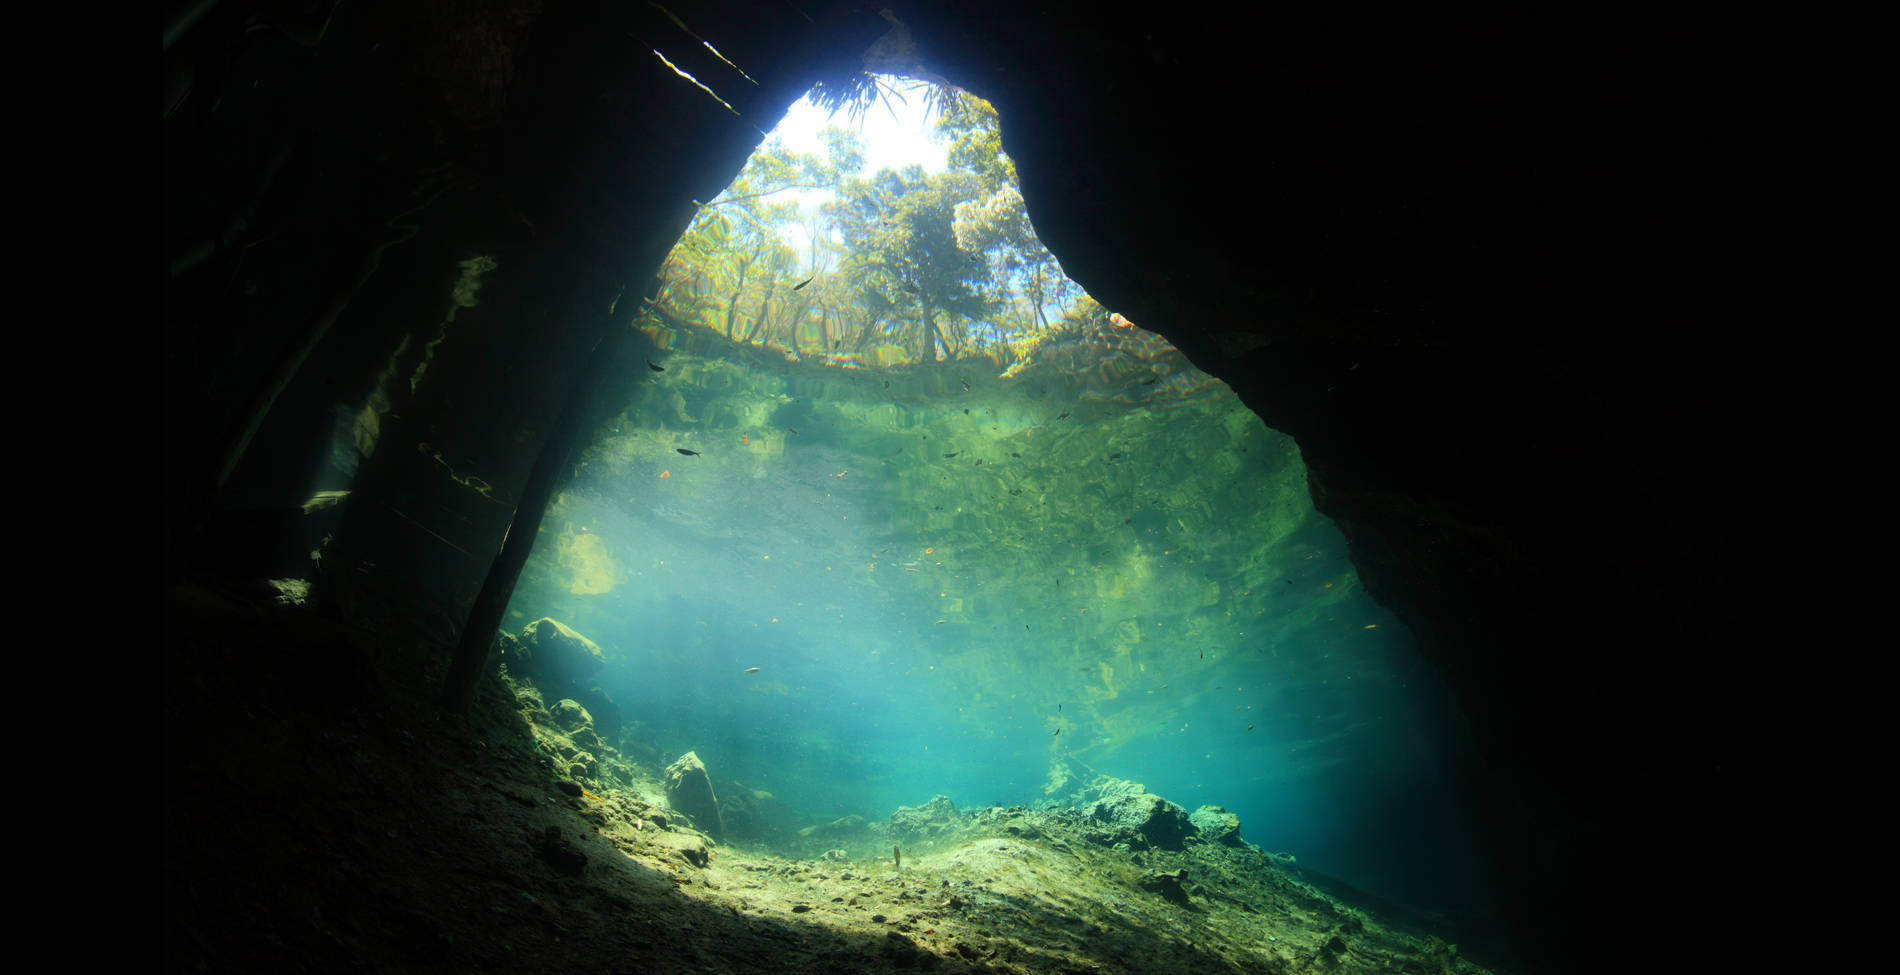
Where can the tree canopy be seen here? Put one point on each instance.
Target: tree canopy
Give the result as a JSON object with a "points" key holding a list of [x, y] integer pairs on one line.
{"points": [[896, 267]]}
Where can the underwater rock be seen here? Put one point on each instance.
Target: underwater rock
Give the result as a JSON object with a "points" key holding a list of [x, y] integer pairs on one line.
{"points": [[690, 846], [930, 821], [1104, 788], [849, 827], [1168, 885], [689, 790], [552, 654], [605, 712], [1217, 825], [752, 814], [1160, 822], [569, 716]]}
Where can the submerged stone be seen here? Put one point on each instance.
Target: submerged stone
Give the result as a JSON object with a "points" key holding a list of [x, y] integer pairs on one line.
{"points": [[1156, 820], [1217, 825], [691, 847], [848, 827], [1168, 884], [930, 821], [569, 716], [689, 790], [556, 656]]}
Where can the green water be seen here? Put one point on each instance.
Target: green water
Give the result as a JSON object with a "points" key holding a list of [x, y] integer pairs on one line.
{"points": [[952, 582]]}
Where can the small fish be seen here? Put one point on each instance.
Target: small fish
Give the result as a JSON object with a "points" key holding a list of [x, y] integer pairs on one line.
{"points": [[841, 474], [1249, 728], [1114, 457], [689, 453], [1064, 415], [1058, 731], [791, 431], [750, 670], [1058, 707], [655, 368], [803, 283], [966, 384], [948, 456], [979, 462]]}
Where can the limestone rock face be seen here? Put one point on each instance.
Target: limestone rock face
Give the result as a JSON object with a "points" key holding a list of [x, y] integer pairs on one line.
{"points": [[689, 790], [1160, 822], [1217, 825], [922, 824]]}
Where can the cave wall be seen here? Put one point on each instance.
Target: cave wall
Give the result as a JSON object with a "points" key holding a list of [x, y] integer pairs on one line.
{"points": [[1436, 252]]}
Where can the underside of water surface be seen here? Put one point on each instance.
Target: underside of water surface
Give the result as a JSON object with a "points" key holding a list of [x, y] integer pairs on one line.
{"points": [[849, 590]]}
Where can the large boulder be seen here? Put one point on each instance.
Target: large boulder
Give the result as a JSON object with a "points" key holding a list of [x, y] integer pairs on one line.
{"points": [[570, 717], [689, 790], [1217, 825], [1155, 820], [926, 823], [553, 655]]}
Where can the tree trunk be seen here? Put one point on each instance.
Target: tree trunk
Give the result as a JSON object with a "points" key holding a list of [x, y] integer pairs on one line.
{"points": [[733, 308], [794, 320], [757, 330]]}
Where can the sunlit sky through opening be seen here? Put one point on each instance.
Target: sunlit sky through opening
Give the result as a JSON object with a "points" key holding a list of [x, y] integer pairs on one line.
{"points": [[894, 134]]}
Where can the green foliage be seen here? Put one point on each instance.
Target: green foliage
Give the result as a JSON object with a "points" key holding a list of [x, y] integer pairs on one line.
{"points": [[898, 267], [976, 141]]}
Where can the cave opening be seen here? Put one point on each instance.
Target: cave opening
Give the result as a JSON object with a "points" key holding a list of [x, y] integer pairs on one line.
{"points": [[1467, 293], [884, 507]]}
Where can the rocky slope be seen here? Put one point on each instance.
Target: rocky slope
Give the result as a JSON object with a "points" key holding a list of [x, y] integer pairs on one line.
{"points": [[339, 824]]}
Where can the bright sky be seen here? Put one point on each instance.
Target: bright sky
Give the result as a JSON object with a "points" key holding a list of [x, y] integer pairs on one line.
{"points": [[892, 137], [889, 143]]}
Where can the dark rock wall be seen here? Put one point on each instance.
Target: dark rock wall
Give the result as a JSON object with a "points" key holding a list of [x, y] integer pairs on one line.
{"points": [[1447, 256]]}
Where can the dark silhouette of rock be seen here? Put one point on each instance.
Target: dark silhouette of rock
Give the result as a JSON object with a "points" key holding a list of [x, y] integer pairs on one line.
{"points": [[1168, 885], [689, 790], [557, 657]]}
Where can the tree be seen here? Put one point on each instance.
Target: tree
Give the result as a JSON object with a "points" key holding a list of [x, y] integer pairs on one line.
{"points": [[940, 266], [901, 226]]}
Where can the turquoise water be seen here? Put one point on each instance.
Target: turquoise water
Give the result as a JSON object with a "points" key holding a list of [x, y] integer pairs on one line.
{"points": [[1139, 589]]}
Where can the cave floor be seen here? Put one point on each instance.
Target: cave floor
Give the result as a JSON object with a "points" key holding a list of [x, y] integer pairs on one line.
{"points": [[321, 816]]}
